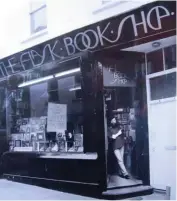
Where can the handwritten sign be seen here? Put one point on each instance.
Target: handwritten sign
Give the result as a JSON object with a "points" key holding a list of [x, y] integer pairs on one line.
{"points": [[57, 117]]}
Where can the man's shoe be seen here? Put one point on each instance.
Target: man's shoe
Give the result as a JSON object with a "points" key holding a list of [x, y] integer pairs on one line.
{"points": [[127, 176], [121, 175]]}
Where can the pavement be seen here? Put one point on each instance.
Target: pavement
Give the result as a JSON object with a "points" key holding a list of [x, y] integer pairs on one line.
{"points": [[17, 191], [154, 196]]}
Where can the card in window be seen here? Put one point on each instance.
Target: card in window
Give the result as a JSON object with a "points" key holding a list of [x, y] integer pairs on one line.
{"points": [[19, 122], [25, 144], [27, 137], [17, 143], [43, 120], [40, 137], [42, 128], [28, 129], [25, 121], [22, 129]]}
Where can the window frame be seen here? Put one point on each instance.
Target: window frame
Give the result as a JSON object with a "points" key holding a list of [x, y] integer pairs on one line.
{"points": [[148, 77], [107, 5], [32, 30], [164, 56], [107, 2], [9, 133]]}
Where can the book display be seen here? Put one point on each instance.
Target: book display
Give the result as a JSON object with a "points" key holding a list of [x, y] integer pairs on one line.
{"points": [[40, 134]]}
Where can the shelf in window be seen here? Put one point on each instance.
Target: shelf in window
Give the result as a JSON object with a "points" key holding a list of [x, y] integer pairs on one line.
{"points": [[70, 155]]}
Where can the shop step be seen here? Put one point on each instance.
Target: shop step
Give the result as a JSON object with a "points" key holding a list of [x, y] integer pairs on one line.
{"points": [[122, 193]]}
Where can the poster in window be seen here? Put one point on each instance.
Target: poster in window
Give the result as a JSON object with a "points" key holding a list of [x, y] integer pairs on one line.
{"points": [[57, 117]]}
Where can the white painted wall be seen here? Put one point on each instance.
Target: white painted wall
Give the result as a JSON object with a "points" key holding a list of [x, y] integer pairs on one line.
{"points": [[62, 16], [11, 30], [114, 8]]}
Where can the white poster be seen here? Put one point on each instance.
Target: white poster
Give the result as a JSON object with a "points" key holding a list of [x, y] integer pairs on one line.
{"points": [[57, 117]]}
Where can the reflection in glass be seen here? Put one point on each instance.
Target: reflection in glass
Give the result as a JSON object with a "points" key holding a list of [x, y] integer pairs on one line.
{"points": [[38, 112], [170, 57], [38, 103], [2, 108], [163, 86], [155, 61]]}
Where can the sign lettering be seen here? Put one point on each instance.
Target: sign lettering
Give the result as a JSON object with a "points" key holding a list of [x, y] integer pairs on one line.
{"points": [[91, 38]]}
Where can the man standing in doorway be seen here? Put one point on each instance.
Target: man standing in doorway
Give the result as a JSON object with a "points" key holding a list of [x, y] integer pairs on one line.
{"points": [[116, 134]]}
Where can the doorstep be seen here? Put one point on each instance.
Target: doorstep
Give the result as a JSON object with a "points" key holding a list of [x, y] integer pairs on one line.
{"points": [[122, 193]]}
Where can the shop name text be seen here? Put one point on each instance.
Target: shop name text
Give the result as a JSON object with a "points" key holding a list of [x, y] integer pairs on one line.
{"points": [[87, 40]]}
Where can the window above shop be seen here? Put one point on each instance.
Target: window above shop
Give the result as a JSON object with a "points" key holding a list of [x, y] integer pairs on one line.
{"points": [[104, 5], [107, 1], [38, 16]]}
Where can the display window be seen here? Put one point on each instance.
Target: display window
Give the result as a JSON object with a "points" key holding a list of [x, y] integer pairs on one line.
{"points": [[2, 107], [46, 114]]}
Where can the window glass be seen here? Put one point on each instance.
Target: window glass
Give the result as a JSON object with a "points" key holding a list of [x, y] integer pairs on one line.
{"points": [[170, 57], [38, 104], [38, 19], [2, 108], [155, 61], [163, 86], [47, 116], [108, 1]]}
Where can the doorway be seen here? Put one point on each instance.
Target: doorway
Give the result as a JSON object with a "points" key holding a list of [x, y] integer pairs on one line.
{"points": [[125, 100]]}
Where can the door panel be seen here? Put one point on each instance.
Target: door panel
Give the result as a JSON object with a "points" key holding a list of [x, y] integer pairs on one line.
{"points": [[162, 130], [162, 117]]}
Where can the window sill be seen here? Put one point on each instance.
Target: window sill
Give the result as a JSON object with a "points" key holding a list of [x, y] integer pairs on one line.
{"points": [[108, 6], [61, 155], [86, 156], [36, 35]]}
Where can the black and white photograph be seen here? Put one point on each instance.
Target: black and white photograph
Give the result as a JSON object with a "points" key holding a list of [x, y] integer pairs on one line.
{"points": [[88, 100]]}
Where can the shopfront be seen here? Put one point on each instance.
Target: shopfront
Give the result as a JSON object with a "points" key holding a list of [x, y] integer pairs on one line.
{"points": [[58, 101]]}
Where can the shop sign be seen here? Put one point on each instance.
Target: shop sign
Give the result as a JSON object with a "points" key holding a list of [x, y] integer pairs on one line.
{"points": [[150, 19], [115, 77], [118, 75]]}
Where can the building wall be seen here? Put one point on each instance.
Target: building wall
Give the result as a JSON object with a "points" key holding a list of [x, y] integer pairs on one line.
{"points": [[115, 7], [62, 17]]}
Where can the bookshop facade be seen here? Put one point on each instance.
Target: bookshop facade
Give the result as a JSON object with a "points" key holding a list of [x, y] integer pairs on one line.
{"points": [[58, 100]]}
